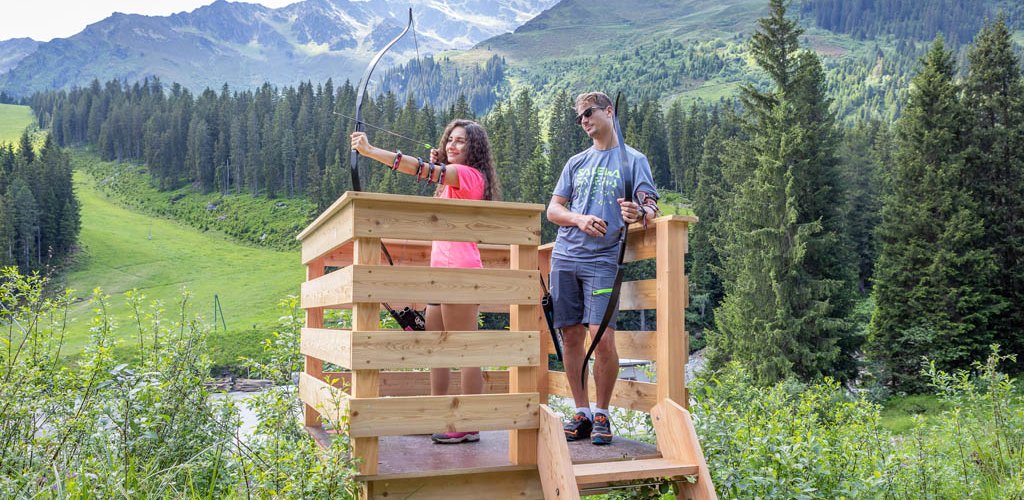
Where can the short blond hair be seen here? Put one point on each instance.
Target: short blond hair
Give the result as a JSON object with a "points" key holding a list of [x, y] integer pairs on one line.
{"points": [[594, 99]]}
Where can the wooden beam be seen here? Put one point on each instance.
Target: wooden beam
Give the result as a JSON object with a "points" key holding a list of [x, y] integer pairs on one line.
{"points": [[672, 343], [427, 414], [631, 470], [417, 253], [331, 401], [638, 295], [365, 283], [365, 383], [522, 444], [333, 346], [629, 394], [334, 231], [401, 349], [313, 365], [629, 344], [640, 246], [519, 482], [553, 461], [677, 440], [457, 220], [418, 383]]}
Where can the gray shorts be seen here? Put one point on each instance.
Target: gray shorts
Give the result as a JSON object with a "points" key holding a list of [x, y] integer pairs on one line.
{"points": [[580, 292]]}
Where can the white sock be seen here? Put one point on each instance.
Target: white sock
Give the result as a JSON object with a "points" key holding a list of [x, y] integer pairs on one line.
{"points": [[586, 411], [604, 411]]}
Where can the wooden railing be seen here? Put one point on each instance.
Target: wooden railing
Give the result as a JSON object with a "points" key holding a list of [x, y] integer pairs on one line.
{"points": [[378, 401], [665, 240]]}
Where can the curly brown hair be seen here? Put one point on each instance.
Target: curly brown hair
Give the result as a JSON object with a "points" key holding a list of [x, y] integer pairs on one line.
{"points": [[478, 155]]}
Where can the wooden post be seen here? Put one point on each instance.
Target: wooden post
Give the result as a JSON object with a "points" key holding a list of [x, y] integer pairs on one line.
{"points": [[672, 345], [522, 443], [544, 265], [366, 383], [314, 319]]}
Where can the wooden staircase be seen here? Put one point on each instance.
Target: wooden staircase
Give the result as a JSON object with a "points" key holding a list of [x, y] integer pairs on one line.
{"points": [[682, 459]]}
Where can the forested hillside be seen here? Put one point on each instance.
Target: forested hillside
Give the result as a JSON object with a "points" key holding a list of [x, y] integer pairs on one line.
{"points": [[39, 219], [957, 20]]}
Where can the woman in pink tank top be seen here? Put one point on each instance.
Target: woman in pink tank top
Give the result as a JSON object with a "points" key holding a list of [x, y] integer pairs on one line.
{"points": [[466, 171]]}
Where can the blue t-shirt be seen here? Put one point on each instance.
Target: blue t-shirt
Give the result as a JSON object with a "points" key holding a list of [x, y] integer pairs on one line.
{"points": [[592, 182]]}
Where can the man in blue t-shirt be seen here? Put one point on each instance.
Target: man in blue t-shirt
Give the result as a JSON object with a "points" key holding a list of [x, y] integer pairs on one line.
{"points": [[588, 205]]}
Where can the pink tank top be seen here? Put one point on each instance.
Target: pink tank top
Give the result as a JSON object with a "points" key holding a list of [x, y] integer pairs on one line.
{"points": [[462, 254]]}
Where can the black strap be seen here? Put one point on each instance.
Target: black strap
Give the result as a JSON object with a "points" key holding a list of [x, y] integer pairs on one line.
{"points": [[627, 180], [547, 304]]}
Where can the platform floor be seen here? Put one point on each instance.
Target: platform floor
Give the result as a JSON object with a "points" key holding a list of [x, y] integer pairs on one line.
{"points": [[413, 455]]}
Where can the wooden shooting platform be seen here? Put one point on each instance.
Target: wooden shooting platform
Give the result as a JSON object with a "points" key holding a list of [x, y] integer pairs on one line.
{"points": [[522, 452]]}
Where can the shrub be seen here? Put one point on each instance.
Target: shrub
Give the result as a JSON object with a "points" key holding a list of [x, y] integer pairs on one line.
{"points": [[789, 440], [148, 429]]}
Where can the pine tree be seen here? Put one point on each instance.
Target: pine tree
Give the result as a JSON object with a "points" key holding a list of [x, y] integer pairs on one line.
{"points": [[932, 277], [25, 222], [861, 174], [787, 270], [994, 102]]}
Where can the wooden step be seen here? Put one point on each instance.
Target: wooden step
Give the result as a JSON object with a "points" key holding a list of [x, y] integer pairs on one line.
{"points": [[629, 470]]}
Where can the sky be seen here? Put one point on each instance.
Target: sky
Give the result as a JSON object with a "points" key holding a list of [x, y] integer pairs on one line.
{"points": [[44, 20]]}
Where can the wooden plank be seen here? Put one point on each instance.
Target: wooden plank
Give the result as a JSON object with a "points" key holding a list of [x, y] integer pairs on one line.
{"points": [[639, 294], [366, 283], [333, 232], [445, 285], [427, 414], [421, 205], [515, 482], [365, 382], [329, 401], [401, 349], [418, 383], [629, 394], [333, 346], [641, 244], [417, 253], [629, 344], [631, 470], [313, 365], [474, 221], [677, 439], [522, 447], [326, 291], [672, 349], [554, 464]]}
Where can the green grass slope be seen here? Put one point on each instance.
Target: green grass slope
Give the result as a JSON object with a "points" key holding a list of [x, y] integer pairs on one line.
{"points": [[13, 121], [123, 250]]}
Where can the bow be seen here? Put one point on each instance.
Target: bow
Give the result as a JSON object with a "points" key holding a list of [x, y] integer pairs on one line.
{"points": [[627, 184], [353, 159]]}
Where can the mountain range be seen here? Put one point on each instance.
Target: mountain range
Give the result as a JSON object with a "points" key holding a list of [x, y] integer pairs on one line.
{"points": [[245, 45]]}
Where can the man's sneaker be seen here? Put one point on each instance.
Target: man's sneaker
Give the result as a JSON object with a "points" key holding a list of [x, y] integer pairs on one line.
{"points": [[602, 433], [578, 428], [455, 437]]}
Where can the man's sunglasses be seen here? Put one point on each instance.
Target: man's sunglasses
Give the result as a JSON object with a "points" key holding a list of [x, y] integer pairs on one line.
{"points": [[587, 113]]}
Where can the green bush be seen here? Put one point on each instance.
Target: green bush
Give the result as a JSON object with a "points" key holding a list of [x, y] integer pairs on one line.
{"points": [[788, 440], [146, 429], [793, 440]]}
